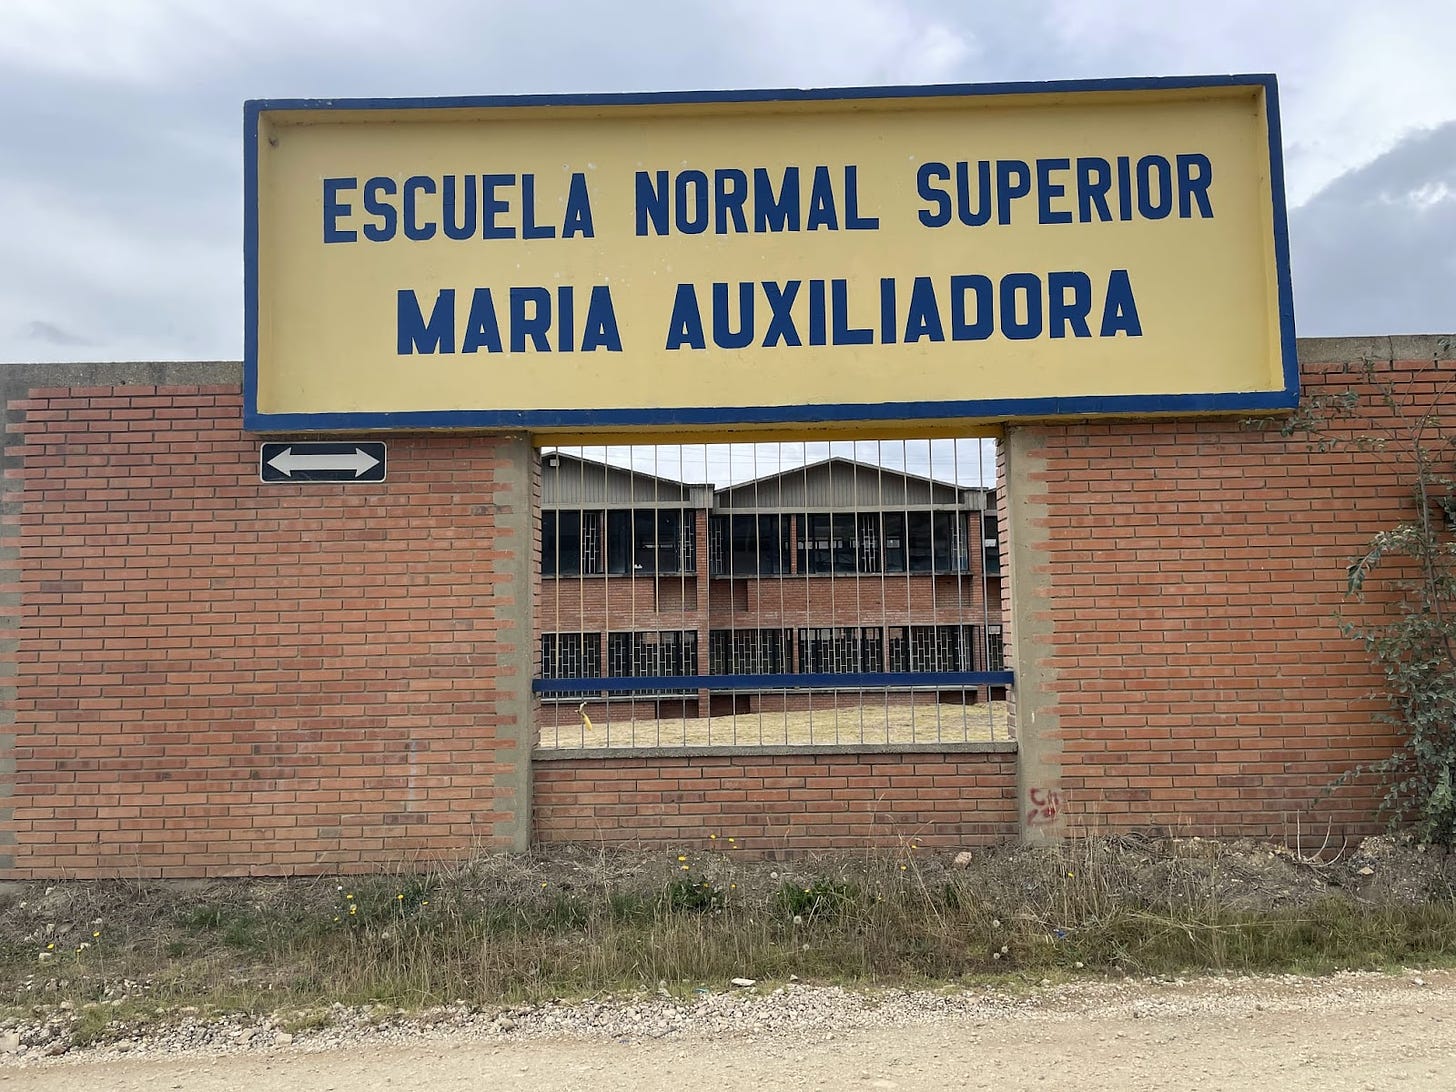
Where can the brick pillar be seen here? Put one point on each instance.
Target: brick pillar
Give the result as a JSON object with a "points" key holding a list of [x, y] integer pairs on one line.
{"points": [[1025, 533], [518, 492]]}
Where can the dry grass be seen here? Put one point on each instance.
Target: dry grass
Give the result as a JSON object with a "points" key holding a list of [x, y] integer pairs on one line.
{"points": [[899, 721], [576, 922]]}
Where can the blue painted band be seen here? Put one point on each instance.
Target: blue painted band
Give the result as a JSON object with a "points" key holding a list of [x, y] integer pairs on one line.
{"points": [[977, 409], [850, 680]]}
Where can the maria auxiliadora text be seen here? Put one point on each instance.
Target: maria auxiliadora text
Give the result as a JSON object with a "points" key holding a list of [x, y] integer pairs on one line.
{"points": [[787, 312]]}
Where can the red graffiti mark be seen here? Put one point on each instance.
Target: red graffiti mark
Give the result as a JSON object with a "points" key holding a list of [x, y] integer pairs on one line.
{"points": [[1045, 803]]}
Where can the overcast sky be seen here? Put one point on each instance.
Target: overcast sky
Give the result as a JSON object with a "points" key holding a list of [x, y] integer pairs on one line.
{"points": [[121, 168], [121, 175]]}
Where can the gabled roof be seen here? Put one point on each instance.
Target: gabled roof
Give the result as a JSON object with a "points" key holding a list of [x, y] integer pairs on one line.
{"points": [[839, 483], [835, 483], [569, 481], [842, 461]]}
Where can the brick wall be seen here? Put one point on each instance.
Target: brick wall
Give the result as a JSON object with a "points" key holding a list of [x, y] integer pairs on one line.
{"points": [[570, 604], [1184, 578], [895, 599], [780, 803], [216, 676]]}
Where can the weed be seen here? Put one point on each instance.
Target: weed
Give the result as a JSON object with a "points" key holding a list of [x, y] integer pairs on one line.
{"points": [[694, 895], [819, 900]]}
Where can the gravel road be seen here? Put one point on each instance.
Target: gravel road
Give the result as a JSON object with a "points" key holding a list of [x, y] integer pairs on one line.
{"points": [[1348, 1031]]}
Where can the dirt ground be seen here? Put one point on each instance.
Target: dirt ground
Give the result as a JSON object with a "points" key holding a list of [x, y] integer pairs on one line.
{"points": [[900, 722], [1345, 1032]]}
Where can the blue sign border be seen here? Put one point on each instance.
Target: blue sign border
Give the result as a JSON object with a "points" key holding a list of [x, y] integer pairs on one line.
{"points": [[726, 416]]}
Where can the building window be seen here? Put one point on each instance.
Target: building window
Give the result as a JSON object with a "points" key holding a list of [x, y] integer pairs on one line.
{"points": [[748, 651], [645, 541], [894, 524], [750, 545], [995, 649], [925, 542], [571, 543], [867, 542], [991, 543], [839, 542], [932, 648], [639, 542], [571, 656], [653, 654], [840, 649]]}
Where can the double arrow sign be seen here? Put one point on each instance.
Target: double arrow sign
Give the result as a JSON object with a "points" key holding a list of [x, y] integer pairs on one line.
{"points": [[317, 461]]}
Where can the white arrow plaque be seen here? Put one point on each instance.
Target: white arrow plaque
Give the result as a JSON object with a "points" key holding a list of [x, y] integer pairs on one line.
{"points": [[318, 461]]}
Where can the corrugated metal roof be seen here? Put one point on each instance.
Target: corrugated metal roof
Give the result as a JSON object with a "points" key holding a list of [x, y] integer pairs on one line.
{"points": [[568, 481], [838, 484], [835, 484]]}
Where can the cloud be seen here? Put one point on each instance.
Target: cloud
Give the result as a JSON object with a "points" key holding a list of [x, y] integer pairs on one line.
{"points": [[122, 275], [863, 42], [122, 174], [1375, 251], [158, 43], [49, 333], [1354, 79]]}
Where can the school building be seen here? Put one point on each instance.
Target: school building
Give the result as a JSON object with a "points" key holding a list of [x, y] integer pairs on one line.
{"points": [[835, 568]]}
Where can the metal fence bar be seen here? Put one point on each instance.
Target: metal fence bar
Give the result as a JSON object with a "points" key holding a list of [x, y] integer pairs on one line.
{"points": [[763, 593]]}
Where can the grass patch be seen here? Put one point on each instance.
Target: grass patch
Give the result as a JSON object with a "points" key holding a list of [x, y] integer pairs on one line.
{"points": [[525, 929]]}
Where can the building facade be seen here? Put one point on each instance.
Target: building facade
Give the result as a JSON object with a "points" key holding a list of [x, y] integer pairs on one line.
{"points": [[838, 568]]}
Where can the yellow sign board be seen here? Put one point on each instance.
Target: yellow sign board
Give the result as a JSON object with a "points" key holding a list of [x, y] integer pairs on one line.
{"points": [[862, 259]]}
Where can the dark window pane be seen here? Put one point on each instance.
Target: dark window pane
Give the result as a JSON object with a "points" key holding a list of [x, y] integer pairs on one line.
{"points": [[843, 546], [569, 543], [949, 542], [815, 544], [894, 523], [646, 541], [550, 550], [759, 545], [991, 536], [619, 542], [918, 541]]}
